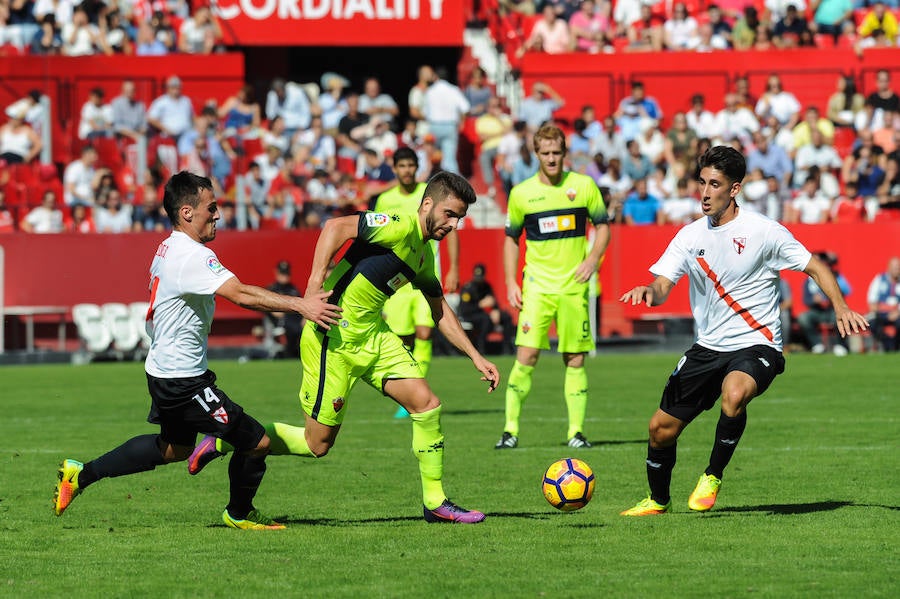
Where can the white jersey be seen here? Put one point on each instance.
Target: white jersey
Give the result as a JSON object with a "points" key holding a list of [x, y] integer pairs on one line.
{"points": [[184, 277], [733, 270]]}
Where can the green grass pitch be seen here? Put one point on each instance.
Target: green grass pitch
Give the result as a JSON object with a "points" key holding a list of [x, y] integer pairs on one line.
{"points": [[810, 506]]}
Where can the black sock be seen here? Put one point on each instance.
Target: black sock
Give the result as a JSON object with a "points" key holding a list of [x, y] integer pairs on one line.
{"points": [[660, 463], [246, 473], [138, 454], [728, 433]]}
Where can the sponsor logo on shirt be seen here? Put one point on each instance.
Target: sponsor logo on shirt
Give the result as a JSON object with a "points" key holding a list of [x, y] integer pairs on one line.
{"points": [[554, 224], [739, 244], [376, 219], [214, 265]]}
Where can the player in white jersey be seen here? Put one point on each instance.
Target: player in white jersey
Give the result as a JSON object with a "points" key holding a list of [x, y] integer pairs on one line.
{"points": [[732, 259], [185, 277]]}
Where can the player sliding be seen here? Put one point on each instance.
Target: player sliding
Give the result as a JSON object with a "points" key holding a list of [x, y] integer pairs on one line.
{"points": [[388, 251], [732, 258], [185, 277]]}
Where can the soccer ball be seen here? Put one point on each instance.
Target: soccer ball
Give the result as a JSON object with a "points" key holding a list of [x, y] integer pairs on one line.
{"points": [[568, 484]]}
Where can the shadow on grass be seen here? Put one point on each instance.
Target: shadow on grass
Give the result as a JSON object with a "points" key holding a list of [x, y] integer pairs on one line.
{"points": [[790, 509], [615, 442], [473, 412], [397, 519]]}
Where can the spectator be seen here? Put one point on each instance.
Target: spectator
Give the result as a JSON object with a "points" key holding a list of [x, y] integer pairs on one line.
{"points": [[47, 40], [149, 214], [771, 159], [19, 144], [820, 310], [564, 8], [81, 179], [625, 13], [351, 130], [743, 36], [609, 142], [416, 98], [640, 207], [645, 34], [96, 117], [376, 103], [819, 154], [538, 108], [700, 120], [276, 135], [525, 166], [491, 128], [289, 101], [508, 152], [445, 109], [323, 150], [651, 142], [777, 102], [478, 93], [376, 170], [887, 204], [849, 207], [811, 206], [679, 30], [478, 306], [578, 148], [205, 149], [199, 32], [618, 184], [683, 207], [778, 9], [633, 109], [812, 121], [79, 36], [763, 41], [861, 166], [883, 136], [60, 9], [129, 115], [7, 220], [322, 200], [705, 41], [80, 220], [762, 194], [148, 42], [879, 18], [636, 166], [591, 27], [164, 30], [884, 302], [721, 29], [111, 215], [830, 16], [289, 324], [331, 101], [550, 34], [240, 113], [791, 29], [382, 139], [114, 38], [845, 103], [46, 218], [171, 114], [681, 141]]}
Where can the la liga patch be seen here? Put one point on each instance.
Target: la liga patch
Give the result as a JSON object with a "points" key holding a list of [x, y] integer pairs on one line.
{"points": [[214, 265], [376, 219]]}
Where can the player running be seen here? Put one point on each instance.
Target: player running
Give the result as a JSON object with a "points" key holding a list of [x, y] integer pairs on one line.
{"points": [[388, 252], [732, 258]]}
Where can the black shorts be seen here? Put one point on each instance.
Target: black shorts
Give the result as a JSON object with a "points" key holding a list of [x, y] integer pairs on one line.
{"points": [[184, 407], [696, 383]]}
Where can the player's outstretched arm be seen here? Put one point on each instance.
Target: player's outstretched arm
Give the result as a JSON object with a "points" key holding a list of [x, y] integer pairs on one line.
{"points": [[654, 294], [335, 233], [449, 325], [511, 271], [847, 320], [313, 308]]}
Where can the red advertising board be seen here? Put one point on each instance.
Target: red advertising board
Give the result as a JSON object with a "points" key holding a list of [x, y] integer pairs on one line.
{"points": [[341, 22]]}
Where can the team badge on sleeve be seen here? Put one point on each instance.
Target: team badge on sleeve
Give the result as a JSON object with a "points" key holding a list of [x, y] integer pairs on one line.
{"points": [[376, 219], [214, 265]]}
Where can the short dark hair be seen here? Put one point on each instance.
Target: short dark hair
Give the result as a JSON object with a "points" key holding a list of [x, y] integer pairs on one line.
{"points": [[183, 188], [444, 184], [406, 153], [726, 160]]}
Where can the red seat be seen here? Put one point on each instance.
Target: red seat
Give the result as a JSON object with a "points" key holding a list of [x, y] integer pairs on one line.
{"points": [[844, 137], [108, 152]]}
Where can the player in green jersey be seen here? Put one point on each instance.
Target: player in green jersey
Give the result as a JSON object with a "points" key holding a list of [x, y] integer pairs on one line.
{"points": [[554, 208], [388, 251], [407, 312]]}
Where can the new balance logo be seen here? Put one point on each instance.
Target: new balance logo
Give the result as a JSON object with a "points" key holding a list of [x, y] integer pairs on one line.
{"points": [[728, 441], [701, 252], [654, 465], [764, 362]]}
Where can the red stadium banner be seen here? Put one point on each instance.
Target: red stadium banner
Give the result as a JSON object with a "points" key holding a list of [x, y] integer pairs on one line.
{"points": [[341, 22]]}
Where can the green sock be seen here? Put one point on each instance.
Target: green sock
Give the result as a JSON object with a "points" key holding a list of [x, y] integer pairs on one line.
{"points": [[422, 354], [428, 445], [517, 389], [284, 439], [576, 387]]}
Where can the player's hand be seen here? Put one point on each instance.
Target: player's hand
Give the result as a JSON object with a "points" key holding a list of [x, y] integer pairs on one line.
{"points": [[514, 296], [489, 372], [451, 281], [849, 321], [640, 294], [314, 307], [585, 271]]}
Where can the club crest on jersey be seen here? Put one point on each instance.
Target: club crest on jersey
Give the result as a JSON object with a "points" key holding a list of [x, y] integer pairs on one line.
{"points": [[526, 327], [571, 193], [214, 265], [220, 415], [376, 219], [337, 403], [739, 244]]}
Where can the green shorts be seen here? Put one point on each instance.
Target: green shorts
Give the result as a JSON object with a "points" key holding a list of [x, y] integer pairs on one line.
{"points": [[570, 311], [406, 310], [329, 373]]}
